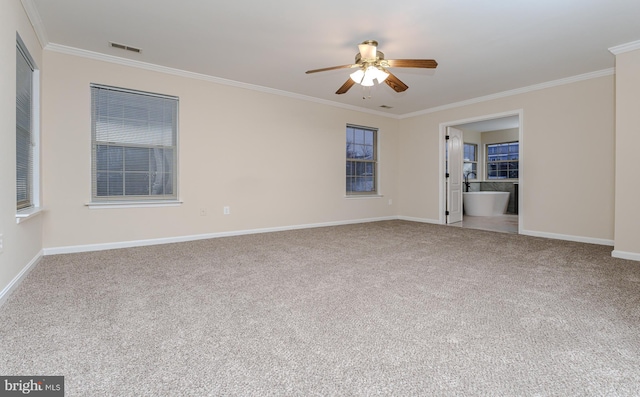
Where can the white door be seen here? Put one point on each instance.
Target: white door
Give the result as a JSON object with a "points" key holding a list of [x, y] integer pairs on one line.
{"points": [[455, 148]]}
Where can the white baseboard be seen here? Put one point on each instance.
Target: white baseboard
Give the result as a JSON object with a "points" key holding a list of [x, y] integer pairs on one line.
{"points": [[4, 294], [568, 237], [180, 239], [422, 220], [632, 256]]}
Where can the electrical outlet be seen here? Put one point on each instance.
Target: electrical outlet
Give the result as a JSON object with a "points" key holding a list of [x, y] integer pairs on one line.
{"points": [[203, 211], [1, 244], [226, 210]]}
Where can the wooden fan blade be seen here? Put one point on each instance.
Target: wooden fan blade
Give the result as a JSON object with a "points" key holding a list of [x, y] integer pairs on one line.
{"points": [[331, 68], [395, 83], [412, 63], [345, 87]]}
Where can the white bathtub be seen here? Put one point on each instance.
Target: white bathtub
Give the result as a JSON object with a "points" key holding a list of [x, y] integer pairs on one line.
{"points": [[485, 203]]}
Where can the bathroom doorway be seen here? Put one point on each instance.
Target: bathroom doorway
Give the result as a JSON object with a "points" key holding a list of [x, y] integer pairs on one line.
{"points": [[491, 163]]}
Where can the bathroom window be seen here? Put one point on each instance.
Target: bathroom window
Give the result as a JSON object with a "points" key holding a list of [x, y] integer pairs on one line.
{"points": [[503, 160], [134, 145], [361, 160], [470, 166]]}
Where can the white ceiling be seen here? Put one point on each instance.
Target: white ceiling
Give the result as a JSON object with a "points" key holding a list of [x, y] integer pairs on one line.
{"points": [[482, 47]]}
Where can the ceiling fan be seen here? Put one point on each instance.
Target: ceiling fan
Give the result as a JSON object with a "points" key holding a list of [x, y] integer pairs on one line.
{"points": [[372, 66]]}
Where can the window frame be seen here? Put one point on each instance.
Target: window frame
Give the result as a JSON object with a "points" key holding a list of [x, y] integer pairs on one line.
{"points": [[124, 200], [465, 161], [365, 162], [25, 209], [487, 162]]}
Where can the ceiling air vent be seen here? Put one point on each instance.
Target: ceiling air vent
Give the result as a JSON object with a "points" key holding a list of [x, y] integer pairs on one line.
{"points": [[125, 47], [386, 107]]}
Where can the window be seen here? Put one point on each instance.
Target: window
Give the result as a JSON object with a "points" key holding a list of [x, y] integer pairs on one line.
{"points": [[361, 160], [26, 138], [502, 160], [134, 145], [470, 166]]}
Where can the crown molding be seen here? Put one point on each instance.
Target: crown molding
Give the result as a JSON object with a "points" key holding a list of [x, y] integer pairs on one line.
{"points": [[36, 21], [218, 80], [198, 76], [622, 48], [517, 91]]}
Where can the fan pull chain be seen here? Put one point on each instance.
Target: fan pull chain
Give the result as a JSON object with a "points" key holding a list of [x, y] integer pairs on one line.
{"points": [[366, 92]]}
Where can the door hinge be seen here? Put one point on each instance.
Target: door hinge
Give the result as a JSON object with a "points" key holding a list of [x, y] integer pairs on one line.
{"points": [[446, 175], [446, 212], [446, 137]]}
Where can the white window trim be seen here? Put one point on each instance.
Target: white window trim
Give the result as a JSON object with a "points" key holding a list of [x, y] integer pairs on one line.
{"points": [[377, 193], [28, 213], [363, 196], [133, 204], [486, 163], [95, 203], [475, 178]]}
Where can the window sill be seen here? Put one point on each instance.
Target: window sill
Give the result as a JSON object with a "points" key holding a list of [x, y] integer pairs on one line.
{"points": [[363, 196], [28, 213], [133, 204]]}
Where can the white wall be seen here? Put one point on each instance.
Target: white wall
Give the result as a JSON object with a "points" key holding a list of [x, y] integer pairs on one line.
{"points": [[509, 135], [275, 161], [567, 173], [627, 216], [22, 242]]}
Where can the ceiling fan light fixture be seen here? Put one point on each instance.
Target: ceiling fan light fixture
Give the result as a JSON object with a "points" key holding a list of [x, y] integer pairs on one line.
{"points": [[357, 76], [367, 81], [371, 68], [368, 49], [366, 76], [379, 74]]}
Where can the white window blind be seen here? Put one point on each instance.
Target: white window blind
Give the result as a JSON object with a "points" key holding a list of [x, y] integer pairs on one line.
{"points": [[134, 145], [24, 139]]}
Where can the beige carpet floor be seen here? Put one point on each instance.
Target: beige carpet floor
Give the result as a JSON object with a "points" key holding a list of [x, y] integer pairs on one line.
{"points": [[387, 308]]}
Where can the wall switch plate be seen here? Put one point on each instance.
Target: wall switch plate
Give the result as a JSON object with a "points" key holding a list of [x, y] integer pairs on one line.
{"points": [[226, 210], [390, 201]]}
